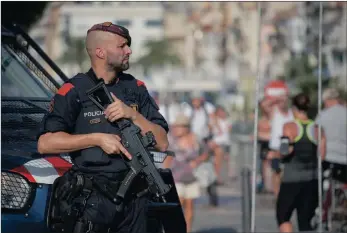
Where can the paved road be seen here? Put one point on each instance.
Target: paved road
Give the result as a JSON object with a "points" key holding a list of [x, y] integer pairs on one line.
{"points": [[227, 218]]}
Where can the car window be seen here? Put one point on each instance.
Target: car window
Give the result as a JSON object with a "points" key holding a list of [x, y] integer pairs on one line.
{"points": [[17, 80], [24, 101]]}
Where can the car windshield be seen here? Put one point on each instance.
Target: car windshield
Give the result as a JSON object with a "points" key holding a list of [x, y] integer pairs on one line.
{"points": [[17, 80], [25, 100]]}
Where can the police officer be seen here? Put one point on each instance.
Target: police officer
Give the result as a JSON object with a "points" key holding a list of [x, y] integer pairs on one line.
{"points": [[76, 126]]}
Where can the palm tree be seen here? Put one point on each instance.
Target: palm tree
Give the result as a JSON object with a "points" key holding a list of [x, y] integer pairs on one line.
{"points": [[303, 75], [75, 53], [160, 54]]}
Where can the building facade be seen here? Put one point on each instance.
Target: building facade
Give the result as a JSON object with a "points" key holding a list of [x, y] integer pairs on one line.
{"points": [[71, 20], [217, 42]]}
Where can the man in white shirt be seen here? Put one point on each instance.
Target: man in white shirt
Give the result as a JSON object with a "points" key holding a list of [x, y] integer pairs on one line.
{"points": [[221, 137], [201, 114], [281, 115]]}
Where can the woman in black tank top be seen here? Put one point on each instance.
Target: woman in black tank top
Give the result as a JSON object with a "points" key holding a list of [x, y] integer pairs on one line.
{"points": [[299, 184]]}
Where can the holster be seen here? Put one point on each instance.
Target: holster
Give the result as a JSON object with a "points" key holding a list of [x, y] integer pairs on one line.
{"points": [[70, 194]]}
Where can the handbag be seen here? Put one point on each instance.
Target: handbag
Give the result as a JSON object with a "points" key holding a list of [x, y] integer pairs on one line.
{"points": [[184, 174], [188, 179], [205, 174]]}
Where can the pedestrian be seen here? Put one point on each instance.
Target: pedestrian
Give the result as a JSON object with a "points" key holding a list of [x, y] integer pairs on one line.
{"points": [[202, 118], [221, 137], [299, 183], [264, 134], [333, 119], [189, 154], [282, 114]]}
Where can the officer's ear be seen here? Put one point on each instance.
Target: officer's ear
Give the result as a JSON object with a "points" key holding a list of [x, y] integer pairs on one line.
{"points": [[100, 53]]}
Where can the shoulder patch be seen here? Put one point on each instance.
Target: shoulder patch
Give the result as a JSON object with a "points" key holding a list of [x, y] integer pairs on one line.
{"points": [[140, 83], [65, 89]]}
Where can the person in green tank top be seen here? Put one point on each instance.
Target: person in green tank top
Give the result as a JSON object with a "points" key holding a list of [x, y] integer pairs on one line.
{"points": [[299, 182]]}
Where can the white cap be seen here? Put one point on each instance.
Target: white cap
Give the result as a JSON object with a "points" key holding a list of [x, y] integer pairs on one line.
{"points": [[330, 93]]}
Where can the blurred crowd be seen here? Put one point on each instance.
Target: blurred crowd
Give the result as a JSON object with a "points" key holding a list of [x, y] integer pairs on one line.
{"points": [[200, 136], [288, 140]]}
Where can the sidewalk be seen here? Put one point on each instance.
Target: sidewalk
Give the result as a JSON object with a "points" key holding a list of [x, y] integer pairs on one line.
{"points": [[228, 217]]}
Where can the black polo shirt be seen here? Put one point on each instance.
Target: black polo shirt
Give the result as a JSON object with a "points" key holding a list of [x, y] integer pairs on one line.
{"points": [[66, 104]]}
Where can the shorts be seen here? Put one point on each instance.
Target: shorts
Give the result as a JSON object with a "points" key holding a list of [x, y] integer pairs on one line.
{"points": [[225, 147], [264, 149], [276, 165], [299, 196], [188, 191]]}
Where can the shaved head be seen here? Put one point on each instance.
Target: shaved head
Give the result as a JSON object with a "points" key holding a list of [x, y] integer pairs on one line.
{"points": [[108, 49], [96, 39]]}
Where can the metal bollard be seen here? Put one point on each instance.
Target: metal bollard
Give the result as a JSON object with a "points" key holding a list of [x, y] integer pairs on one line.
{"points": [[246, 199]]}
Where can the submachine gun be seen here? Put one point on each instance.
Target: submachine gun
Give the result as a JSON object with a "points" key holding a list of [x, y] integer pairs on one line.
{"points": [[160, 181]]}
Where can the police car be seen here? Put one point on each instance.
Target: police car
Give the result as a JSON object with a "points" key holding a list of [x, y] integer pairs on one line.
{"points": [[26, 176]]}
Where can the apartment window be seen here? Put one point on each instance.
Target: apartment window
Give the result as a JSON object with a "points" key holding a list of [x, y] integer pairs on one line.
{"points": [[154, 23], [124, 23]]}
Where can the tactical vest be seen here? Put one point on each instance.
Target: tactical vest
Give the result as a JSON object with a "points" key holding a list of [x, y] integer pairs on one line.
{"points": [[92, 120]]}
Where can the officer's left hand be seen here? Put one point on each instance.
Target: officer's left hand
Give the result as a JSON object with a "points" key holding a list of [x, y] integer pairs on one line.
{"points": [[118, 110]]}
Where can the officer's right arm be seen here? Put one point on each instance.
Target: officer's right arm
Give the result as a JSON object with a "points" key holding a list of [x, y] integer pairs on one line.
{"points": [[55, 133]]}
